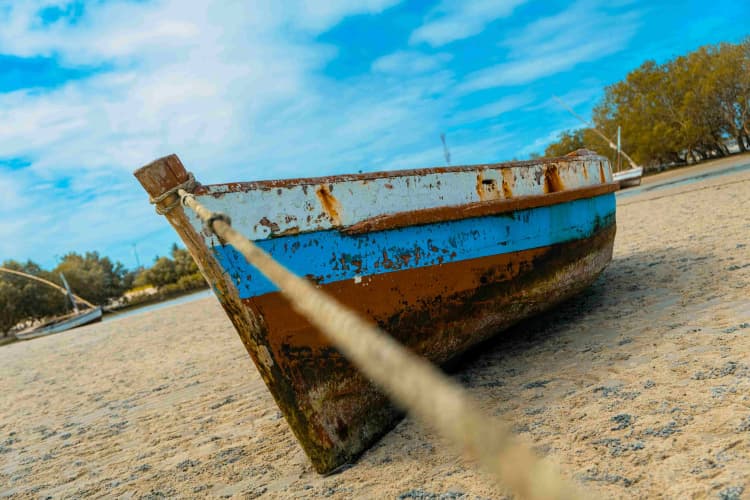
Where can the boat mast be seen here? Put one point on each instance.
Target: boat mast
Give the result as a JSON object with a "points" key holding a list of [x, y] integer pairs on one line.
{"points": [[70, 294], [611, 144], [46, 282]]}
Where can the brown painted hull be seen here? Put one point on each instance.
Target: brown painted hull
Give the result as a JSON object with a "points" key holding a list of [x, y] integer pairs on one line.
{"points": [[438, 311]]}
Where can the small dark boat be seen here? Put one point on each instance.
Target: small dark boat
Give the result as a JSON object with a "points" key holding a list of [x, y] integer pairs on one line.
{"points": [[441, 258]]}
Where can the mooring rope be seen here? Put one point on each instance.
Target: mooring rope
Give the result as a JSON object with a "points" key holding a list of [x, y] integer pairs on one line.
{"points": [[46, 282], [189, 185], [410, 380]]}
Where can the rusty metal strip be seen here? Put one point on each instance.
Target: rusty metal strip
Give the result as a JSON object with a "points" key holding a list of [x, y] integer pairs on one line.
{"points": [[368, 176], [479, 209]]}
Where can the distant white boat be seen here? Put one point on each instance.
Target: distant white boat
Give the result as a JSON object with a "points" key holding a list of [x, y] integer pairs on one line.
{"points": [[62, 324], [75, 319], [625, 178], [629, 178]]}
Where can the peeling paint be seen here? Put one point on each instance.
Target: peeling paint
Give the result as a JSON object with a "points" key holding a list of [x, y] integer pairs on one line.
{"points": [[355, 198], [264, 356]]}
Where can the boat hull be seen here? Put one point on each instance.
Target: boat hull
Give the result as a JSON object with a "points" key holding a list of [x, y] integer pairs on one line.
{"points": [[440, 258], [437, 311], [629, 178], [85, 318]]}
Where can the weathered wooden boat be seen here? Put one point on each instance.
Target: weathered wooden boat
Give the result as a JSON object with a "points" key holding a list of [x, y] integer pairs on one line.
{"points": [[62, 324], [440, 258], [629, 178]]}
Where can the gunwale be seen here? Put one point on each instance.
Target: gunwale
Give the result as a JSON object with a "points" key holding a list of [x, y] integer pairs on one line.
{"points": [[263, 210], [230, 187], [477, 209]]}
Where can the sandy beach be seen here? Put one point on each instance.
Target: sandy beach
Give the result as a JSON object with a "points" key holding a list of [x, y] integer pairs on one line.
{"points": [[639, 387]]}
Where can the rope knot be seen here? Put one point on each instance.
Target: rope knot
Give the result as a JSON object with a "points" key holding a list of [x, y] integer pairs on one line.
{"points": [[208, 224], [189, 185]]}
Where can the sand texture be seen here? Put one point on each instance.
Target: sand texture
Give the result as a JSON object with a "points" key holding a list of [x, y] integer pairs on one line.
{"points": [[639, 387]]}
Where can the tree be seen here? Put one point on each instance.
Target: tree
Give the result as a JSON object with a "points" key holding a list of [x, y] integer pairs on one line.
{"points": [[10, 299], [184, 263], [96, 279], [571, 140], [24, 299], [683, 110], [643, 109], [166, 271], [567, 141], [726, 85]]}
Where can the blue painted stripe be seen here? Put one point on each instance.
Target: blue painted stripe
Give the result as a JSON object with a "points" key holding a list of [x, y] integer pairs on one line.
{"points": [[330, 256]]}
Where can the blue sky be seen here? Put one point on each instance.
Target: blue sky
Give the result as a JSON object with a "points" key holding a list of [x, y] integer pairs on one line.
{"points": [[246, 90]]}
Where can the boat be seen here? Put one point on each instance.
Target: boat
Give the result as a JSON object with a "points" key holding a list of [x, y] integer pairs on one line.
{"points": [[62, 324], [629, 178], [624, 178], [441, 258], [78, 317]]}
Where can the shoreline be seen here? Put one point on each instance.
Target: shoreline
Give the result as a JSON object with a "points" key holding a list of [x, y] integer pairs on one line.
{"points": [[733, 159], [131, 308]]}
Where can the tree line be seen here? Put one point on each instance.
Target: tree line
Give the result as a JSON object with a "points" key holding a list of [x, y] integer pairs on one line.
{"points": [[92, 277], [682, 111]]}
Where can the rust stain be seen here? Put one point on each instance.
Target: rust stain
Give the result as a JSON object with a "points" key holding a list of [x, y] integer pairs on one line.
{"points": [[288, 231], [269, 224], [387, 262], [480, 186], [538, 173], [331, 205], [552, 181], [476, 209], [486, 187], [357, 263], [509, 182], [602, 177]]}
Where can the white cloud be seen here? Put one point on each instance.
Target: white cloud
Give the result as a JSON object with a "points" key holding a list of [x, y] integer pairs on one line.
{"points": [[540, 144], [492, 110], [405, 62], [164, 29], [586, 93], [237, 89], [316, 16], [454, 20], [582, 33], [216, 82]]}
